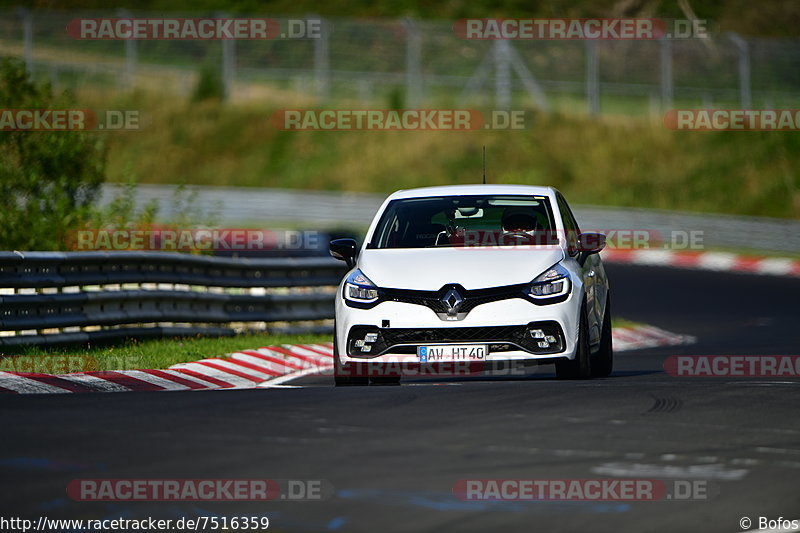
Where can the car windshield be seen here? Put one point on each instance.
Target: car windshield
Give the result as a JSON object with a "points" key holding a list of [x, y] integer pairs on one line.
{"points": [[448, 221]]}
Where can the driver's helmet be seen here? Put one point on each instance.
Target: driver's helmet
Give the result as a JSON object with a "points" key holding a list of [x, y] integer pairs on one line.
{"points": [[519, 218]]}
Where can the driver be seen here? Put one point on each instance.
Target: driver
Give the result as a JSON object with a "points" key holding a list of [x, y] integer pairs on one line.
{"points": [[518, 220]]}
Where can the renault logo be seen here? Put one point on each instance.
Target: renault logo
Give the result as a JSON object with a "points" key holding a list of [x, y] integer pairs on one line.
{"points": [[452, 301]]}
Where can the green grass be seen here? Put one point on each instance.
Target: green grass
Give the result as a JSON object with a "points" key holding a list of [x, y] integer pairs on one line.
{"points": [[613, 160], [624, 323], [151, 354]]}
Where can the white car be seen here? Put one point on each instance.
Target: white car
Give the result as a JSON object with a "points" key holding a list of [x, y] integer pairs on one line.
{"points": [[472, 273]]}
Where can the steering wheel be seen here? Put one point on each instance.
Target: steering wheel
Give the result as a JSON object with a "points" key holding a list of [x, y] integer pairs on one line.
{"points": [[518, 234]]}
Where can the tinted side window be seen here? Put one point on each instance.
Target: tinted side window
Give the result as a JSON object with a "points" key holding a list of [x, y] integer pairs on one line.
{"points": [[570, 225]]}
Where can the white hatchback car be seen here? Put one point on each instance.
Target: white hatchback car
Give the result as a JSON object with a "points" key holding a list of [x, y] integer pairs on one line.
{"points": [[472, 273]]}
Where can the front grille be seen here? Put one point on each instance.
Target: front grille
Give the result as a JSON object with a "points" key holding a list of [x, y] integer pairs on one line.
{"points": [[471, 299], [418, 336], [499, 338]]}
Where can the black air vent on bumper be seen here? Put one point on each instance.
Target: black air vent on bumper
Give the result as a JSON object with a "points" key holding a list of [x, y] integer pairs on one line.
{"points": [[371, 341]]}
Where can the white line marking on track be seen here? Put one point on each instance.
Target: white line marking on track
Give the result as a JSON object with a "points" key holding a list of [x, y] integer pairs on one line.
{"points": [[225, 363], [300, 350], [226, 377], [717, 261], [268, 365], [712, 471], [26, 385], [187, 377], [280, 380], [782, 451], [96, 383], [154, 380]]}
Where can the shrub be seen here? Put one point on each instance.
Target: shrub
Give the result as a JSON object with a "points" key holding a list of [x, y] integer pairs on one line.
{"points": [[48, 180]]}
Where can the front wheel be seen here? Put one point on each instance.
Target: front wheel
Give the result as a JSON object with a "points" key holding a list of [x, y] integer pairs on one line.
{"points": [[580, 367]]}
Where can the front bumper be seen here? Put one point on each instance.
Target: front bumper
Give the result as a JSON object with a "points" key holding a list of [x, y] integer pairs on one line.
{"points": [[398, 328]]}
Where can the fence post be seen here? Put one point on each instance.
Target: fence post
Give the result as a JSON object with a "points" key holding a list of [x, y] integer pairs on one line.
{"points": [[228, 65], [666, 73], [745, 97], [502, 76], [130, 56], [322, 67], [27, 38], [592, 78], [413, 64]]}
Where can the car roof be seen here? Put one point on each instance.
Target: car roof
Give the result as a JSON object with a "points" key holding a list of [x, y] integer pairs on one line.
{"points": [[474, 189]]}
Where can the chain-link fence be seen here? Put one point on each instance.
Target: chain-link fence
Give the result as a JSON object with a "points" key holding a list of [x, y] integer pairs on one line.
{"points": [[408, 63]]}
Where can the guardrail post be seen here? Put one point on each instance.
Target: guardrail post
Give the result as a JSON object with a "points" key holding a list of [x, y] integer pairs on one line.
{"points": [[743, 48], [27, 38], [666, 73], [322, 68], [228, 66], [502, 76], [592, 78], [130, 56], [413, 64]]}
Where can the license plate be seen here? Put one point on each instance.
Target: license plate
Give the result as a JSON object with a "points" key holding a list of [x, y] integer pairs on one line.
{"points": [[451, 352]]}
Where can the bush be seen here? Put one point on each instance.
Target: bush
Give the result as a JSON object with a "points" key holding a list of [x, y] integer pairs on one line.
{"points": [[48, 180], [209, 85]]}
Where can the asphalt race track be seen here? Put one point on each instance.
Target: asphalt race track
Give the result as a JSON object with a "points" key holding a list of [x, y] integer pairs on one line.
{"points": [[393, 454]]}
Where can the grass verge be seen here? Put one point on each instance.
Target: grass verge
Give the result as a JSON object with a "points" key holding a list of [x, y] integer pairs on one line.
{"points": [[613, 160], [151, 354], [624, 323]]}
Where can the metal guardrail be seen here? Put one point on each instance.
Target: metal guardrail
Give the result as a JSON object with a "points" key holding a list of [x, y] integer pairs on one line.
{"points": [[103, 296], [236, 205]]}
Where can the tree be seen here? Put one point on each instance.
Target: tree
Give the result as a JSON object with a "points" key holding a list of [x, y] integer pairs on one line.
{"points": [[48, 180]]}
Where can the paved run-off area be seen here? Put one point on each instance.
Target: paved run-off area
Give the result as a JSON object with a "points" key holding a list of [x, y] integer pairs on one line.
{"points": [[394, 454]]}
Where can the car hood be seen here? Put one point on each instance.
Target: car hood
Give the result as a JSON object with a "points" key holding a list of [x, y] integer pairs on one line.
{"points": [[473, 268]]}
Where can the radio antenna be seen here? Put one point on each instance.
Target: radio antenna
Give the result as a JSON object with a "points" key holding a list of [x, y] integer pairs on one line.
{"points": [[484, 164]]}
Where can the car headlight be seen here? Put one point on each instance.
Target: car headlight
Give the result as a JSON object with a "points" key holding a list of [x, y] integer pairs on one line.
{"points": [[358, 288], [553, 282]]}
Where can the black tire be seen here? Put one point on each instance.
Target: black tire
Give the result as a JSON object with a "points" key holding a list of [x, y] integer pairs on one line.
{"points": [[342, 373], [603, 363], [581, 366]]}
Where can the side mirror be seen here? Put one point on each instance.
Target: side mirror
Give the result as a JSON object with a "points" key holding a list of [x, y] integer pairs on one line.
{"points": [[590, 243], [344, 250]]}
